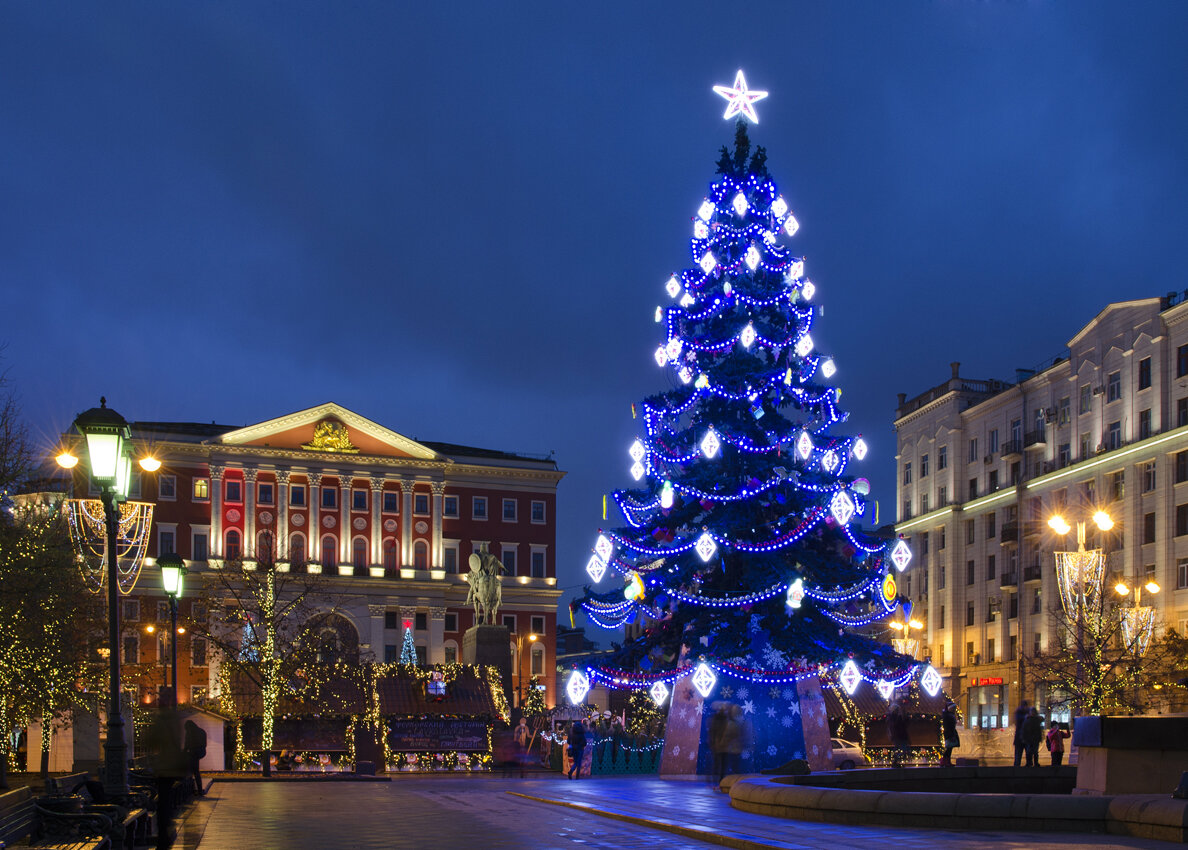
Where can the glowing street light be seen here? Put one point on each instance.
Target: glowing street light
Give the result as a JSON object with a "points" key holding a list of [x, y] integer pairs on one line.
{"points": [[1138, 621], [1080, 573]]}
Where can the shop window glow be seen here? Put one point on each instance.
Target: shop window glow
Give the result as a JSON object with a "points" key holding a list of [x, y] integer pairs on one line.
{"points": [[930, 681], [595, 568], [710, 444], [673, 287], [577, 687], [704, 680], [659, 692], [740, 204], [706, 546], [901, 555], [850, 677]]}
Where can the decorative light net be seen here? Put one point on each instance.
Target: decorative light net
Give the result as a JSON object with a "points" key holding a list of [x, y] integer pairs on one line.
{"points": [[88, 531], [906, 646], [1138, 624], [1079, 575]]}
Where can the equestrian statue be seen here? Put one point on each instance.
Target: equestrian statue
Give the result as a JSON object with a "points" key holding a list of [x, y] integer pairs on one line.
{"points": [[486, 586]]}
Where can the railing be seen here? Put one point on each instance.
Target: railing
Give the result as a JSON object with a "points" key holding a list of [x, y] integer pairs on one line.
{"points": [[1012, 448], [1033, 574], [1009, 580], [1036, 439]]}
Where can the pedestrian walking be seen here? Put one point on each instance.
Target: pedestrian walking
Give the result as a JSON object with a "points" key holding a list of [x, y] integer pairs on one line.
{"points": [[169, 766], [522, 736], [577, 747], [949, 728], [897, 730], [1056, 736], [195, 747], [1020, 717], [1033, 733], [717, 739]]}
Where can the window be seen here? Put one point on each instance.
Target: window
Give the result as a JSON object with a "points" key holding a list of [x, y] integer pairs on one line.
{"points": [[1113, 386], [991, 525], [1113, 438], [358, 500], [538, 657], [970, 533], [234, 545], [1064, 411], [1037, 602], [940, 578], [391, 503], [1091, 491], [297, 495], [942, 458], [451, 621], [391, 653], [131, 611], [421, 555], [907, 472], [1014, 607], [166, 539], [1181, 412], [538, 564], [199, 545], [297, 550], [1181, 522], [942, 496], [973, 488], [993, 441], [131, 649], [970, 658], [991, 614], [1182, 361], [329, 497], [421, 621], [329, 547], [1148, 476], [478, 507], [509, 510], [1144, 376], [992, 484], [359, 553], [907, 509], [1182, 574], [990, 650], [234, 490], [451, 653], [924, 539], [940, 543], [1086, 446], [1118, 485], [973, 449], [1012, 647], [969, 572], [1181, 467], [265, 494], [509, 622], [201, 489], [449, 507], [422, 655], [198, 652], [991, 567], [166, 488], [1086, 402], [1037, 643], [538, 511], [449, 556], [923, 503], [421, 504], [941, 618], [390, 554], [1149, 524], [508, 556], [264, 553], [392, 620]]}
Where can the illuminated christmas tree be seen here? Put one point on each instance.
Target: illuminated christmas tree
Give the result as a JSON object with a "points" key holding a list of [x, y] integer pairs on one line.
{"points": [[408, 650], [740, 549]]}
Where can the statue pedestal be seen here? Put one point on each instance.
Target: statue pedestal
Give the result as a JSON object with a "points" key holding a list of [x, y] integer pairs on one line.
{"points": [[491, 645]]}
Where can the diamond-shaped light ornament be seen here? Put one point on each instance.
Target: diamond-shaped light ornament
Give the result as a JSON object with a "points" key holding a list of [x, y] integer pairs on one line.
{"points": [[779, 206], [659, 692], [687, 300], [930, 681], [740, 204], [577, 687], [828, 368], [637, 450], [901, 555], [707, 262], [808, 289], [850, 677], [704, 680], [842, 507], [829, 461], [752, 257], [710, 444], [604, 547], [859, 448], [595, 568], [791, 225], [795, 594], [673, 349], [673, 287], [706, 546], [804, 445], [685, 374], [795, 271], [886, 689], [747, 337], [700, 229], [804, 345], [706, 210], [661, 356], [637, 470]]}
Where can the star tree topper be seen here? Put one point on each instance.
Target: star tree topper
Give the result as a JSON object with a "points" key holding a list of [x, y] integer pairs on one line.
{"points": [[740, 99]]}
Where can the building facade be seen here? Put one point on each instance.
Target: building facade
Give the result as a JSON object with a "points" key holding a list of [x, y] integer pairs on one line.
{"points": [[390, 523], [982, 466]]}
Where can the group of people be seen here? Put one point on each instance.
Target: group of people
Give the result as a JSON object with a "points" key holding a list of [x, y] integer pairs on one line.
{"points": [[1029, 732]]}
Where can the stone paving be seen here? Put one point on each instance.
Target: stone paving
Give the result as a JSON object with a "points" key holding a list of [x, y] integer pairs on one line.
{"points": [[637, 812]]}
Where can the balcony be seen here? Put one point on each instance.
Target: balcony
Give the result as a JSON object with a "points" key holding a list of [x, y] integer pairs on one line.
{"points": [[1009, 580], [1031, 574], [1035, 440], [1012, 450], [1009, 532]]}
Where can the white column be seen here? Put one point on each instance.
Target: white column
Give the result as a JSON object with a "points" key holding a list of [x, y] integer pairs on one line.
{"points": [[344, 519], [437, 558], [282, 514], [377, 531], [314, 541], [249, 513], [376, 612], [216, 512], [406, 523], [435, 652]]}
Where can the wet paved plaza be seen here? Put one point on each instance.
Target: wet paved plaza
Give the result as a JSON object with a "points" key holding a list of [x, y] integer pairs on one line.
{"points": [[478, 812]]}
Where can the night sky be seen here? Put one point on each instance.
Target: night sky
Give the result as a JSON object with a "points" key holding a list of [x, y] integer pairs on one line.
{"points": [[457, 218]]}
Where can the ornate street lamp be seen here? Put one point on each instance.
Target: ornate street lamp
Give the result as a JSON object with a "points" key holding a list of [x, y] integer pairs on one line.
{"points": [[906, 645], [1138, 621], [1080, 573], [173, 574], [520, 666]]}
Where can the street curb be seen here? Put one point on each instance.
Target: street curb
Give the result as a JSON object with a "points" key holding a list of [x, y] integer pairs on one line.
{"points": [[735, 840]]}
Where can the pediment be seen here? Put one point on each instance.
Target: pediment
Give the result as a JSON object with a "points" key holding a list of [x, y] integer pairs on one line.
{"points": [[328, 429]]}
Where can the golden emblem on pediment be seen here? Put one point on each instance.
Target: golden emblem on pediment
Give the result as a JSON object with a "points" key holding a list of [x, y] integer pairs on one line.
{"points": [[331, 436]]}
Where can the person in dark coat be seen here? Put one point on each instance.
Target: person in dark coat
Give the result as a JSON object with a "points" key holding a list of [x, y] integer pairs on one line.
{"points": [[1020, 717], [897, 730], [195, 747], [169, 766], [1033, 733], [577, 747], [949, 727]]}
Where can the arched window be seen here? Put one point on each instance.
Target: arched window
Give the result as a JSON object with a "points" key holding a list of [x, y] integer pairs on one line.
{"points": [[297, 550], [450, 648], [329, 548], [264, 549], [390, 554], [538, 659], [359, 552], [233, 550], [421, 555]]}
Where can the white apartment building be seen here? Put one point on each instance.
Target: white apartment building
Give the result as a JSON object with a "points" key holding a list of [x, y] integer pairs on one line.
{"points": [[983, 464]]}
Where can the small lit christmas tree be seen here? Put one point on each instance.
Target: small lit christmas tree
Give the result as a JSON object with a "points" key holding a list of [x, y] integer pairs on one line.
{"points": [[740, 548], [408, 650]]}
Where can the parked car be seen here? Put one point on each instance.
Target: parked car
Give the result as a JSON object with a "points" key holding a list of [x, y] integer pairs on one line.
{"points": [[847, 755]]}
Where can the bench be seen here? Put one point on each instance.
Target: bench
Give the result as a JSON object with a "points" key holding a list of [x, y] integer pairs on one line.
{"points": [[130, 821], [21, 819]]}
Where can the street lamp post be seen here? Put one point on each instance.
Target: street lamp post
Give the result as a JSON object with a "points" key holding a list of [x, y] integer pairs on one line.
{"points": [[173, 573], [520, 666], [906, 645], [109, 463], [1138, 621]]}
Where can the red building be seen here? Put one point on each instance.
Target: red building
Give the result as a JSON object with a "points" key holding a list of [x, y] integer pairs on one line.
{"points": [[391, 521]]}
